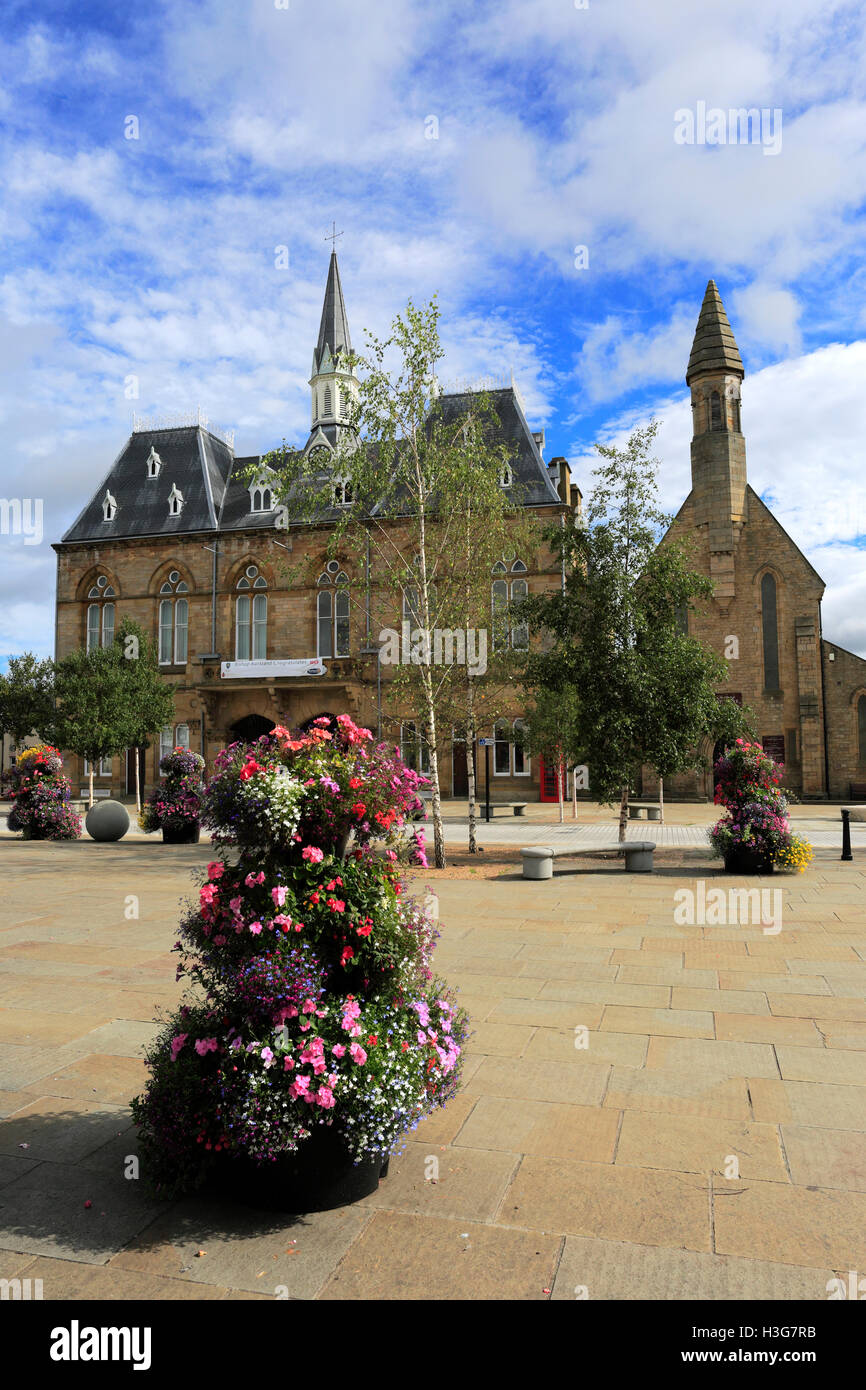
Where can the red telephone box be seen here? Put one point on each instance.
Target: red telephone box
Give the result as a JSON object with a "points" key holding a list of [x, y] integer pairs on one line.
{"points": [[548, 790]]}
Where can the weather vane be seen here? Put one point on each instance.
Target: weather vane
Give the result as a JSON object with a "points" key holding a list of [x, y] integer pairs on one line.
{"points": [[335, 235]]}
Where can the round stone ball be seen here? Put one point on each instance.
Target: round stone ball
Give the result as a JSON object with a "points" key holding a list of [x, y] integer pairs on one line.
{"points": [[107, 820]]}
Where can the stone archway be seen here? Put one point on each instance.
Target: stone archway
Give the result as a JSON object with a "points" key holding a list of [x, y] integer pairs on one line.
{"points": [[251, 727], [323, 714]]}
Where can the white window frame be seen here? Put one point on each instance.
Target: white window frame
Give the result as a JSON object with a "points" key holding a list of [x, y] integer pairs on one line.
{"points": [[497, 744], [333, 616], [105, 767], [515, 750]]}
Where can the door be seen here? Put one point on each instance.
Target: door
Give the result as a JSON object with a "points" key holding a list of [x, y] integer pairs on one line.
{"points": [[130, 771], [459, 769], [548, 789]]}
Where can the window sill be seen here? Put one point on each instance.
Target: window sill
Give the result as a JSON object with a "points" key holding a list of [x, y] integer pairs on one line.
{"points": [[172, 668]]}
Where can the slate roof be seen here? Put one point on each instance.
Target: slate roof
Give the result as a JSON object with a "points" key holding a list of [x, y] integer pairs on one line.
{"points": [[334, 327], [534, 487], [714, 348]]}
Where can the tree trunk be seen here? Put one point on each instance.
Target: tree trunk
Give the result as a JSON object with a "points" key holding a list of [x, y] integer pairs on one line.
{"points": [[430, 721], [623, 813], [90, 779], [138, 781], [470, 770], [560, 776], [662, 800], [573, 795]]}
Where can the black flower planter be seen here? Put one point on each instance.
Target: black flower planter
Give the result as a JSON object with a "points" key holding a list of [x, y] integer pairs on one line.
{"points": [[744, 860], [181, 834], [319, 1176]]}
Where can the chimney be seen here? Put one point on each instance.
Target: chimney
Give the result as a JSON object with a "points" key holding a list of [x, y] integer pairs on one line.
{"points": [[560, 476]]}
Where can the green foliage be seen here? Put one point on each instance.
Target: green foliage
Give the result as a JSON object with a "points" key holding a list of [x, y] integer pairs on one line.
{"points": [[93, 715], [148, 697], [27, 698]]}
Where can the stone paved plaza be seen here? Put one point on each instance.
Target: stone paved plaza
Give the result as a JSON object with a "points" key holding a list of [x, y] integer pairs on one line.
{"points": [[560, 1168]]}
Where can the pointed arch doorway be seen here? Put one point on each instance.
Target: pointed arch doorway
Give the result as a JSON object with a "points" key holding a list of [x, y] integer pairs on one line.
{"points": [[251, 727]]}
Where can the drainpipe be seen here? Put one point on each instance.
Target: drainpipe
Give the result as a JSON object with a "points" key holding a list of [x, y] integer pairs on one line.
{"points": [[823, 710]]}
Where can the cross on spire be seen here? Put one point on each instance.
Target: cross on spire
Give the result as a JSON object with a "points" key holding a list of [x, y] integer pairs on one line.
{"points": [[334, 237]]}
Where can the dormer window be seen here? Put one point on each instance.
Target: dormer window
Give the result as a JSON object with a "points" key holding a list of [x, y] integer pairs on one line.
{"points": [[175, 501], [261, 497], [154, 464], [109, 507], [506, 477]]}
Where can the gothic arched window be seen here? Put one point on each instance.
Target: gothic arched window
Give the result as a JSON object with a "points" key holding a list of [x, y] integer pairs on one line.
{"points": [[770, 632], [173, 620], [100, 614], [332, 611], [251, 616], [716, 420]]}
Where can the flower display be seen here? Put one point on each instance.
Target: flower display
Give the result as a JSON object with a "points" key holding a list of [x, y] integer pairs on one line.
{"points": [[312, 999], [41, 794], [748, 785], [177, 801]]}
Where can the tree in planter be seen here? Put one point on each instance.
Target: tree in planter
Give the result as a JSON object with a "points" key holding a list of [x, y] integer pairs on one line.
{"points": [[551, 731], [27, 698], [401, 475], [92, 716], [644, 691], [149, 698]]}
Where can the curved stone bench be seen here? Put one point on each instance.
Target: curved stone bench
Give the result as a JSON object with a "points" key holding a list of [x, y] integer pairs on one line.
{"points": [[638, 855]]}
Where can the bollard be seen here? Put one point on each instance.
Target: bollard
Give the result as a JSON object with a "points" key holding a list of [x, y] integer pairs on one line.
{"points": [[846, 835]]}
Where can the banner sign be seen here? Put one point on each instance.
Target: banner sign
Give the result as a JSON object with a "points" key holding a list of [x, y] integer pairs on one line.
{"points": [[265, 670]]}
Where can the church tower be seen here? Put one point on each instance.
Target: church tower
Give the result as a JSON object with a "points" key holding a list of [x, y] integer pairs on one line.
{"points": [[714, 374], [333, 381]]}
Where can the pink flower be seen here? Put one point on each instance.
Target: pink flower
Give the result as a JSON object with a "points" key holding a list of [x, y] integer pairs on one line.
{"points": [[205, 1045], [235, 905], [358, 1054], [216, 869], [255, 928], [177, 1043], [279, 895], [299, 1087], [339, 1050], [252, 879], [288, 1064], [312, 854], [267, 1057], [282, 920], [325, 1097]]}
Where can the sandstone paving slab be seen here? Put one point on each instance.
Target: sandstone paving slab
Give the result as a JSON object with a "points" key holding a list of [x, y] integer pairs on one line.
{"points": [[651, 960], [826, 1157], [575, 954], [579, 1081], [741, 982], [519, 986], [648, 996], [622, 1049], [477, 1006], [700, 1144], [60, 1130], [45, 1027], [679, 1092], [818, 1104], [14, 1166], [44, 1213], [547, 1013], [822, 1064], [677, 977], [678, 1023], [751, 1027], [719, 959], [467, 1184], [689, 940], [444, 1124], [791, 1224], [272, 1253], [122, 1037], [620, 1270], [10, 1101], [99, 1075], [402, 1256], [811, 1006], [849, 1036], [539, 1127], [712, 1057], [606, 1200], [15, 1264], [742, 1001], [69, 1280], [21, 1065], [577, 971], [500, 1039]]}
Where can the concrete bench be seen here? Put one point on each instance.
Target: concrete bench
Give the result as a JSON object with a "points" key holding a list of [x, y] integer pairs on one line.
{"points": [[502, 807], [652, 808], [638, 854]]}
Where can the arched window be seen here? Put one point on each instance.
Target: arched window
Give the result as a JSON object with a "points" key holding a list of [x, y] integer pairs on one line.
{"points": [[414, 749], [501, 749], [521, 758], [519, 591], [716, 421], [502, 594], [109, 507], [175, 501], [251, 617], [154, 463], [173, 621], [100, 614], [861, 728], [261, 497], [342, 492], [770, 631], [332, 611], [506, 476]]}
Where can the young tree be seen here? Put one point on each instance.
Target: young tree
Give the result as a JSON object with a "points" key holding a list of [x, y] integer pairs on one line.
{"points": [[148, 698], [551, 730], [644, 690], [93, 717], [405, 470], [27, 697]]}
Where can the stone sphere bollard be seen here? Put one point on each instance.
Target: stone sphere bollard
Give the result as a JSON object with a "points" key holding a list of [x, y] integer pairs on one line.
{"points": [[107, 820]]}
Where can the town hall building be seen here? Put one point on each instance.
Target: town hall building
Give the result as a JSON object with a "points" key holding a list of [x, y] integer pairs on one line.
{"points": [[188, 540]]}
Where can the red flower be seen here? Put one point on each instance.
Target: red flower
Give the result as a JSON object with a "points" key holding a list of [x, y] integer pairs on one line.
{"points": [[347, 955], [355, 783], [359, 810], [372, 1040]]}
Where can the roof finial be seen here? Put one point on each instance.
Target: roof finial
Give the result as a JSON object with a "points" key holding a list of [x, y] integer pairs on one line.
{"points": [[334, 237]]}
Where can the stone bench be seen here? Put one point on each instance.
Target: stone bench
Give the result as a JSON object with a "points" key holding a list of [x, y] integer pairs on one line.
{"points": [[652, 808], [502, 807], [638, 854]]}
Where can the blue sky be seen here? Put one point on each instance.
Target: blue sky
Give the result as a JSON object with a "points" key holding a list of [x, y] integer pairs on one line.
{"points": [[154, 257]]}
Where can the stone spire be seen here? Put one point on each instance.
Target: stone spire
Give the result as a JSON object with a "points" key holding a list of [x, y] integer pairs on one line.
{"points": [[714, 348], [334, 327]]}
